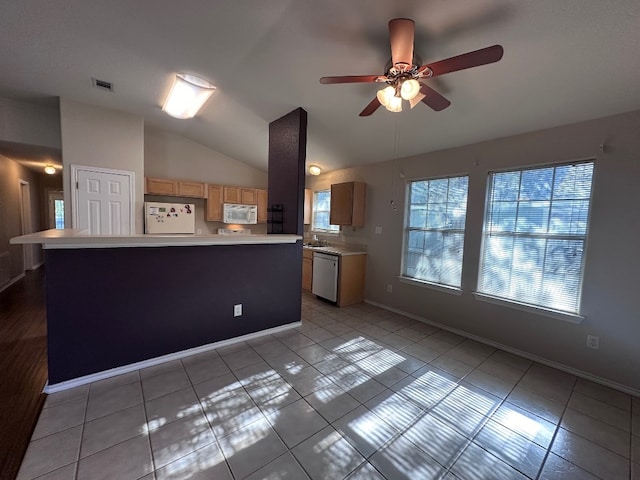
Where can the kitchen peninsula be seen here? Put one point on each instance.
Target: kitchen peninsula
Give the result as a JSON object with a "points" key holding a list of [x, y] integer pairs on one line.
{"points": [[120, 302]]}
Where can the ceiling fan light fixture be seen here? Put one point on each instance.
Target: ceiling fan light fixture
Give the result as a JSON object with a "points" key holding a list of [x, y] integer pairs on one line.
{"points": [[187, 96], [409, 89], [385, 95], [49, 169], [395, 104], [315, 170]]}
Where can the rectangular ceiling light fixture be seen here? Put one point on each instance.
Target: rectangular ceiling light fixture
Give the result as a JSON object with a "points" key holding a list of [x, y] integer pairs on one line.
{"points": [[187, 96]]}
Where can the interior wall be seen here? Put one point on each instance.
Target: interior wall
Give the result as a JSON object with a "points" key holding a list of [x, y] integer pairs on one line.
{"points": [[99, 137], [30, 123], [610, 301], [167, 155], [11, 172]]}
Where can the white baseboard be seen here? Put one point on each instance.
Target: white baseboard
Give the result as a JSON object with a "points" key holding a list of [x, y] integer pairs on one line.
{"points": [[12, 281], [550, 363], [94, 377]]}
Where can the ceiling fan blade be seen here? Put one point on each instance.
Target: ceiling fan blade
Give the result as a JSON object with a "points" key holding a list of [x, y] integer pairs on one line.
{"points": [[351, 79], [476, 58], [401, 31], [432, 98], [372, 107]]}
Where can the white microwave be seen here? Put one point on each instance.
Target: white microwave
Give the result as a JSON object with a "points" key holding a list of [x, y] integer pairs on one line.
{"points": [[240, 214]]}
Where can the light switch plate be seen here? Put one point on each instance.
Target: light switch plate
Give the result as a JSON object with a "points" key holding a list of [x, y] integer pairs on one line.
{"points": [[237, 310]]}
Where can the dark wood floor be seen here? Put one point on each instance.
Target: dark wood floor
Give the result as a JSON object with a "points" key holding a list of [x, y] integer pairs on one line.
{"points": [[23, 367]]}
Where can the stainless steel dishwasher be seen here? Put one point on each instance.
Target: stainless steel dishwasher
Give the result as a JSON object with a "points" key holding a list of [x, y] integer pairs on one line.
{"points": [[325, 276]]}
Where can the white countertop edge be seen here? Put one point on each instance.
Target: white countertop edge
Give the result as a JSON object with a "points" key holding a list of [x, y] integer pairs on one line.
{"points": [[76, 239], [339, 252]]}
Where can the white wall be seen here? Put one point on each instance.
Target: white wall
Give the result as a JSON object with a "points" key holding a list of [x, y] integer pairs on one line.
{"points": [[30, 123], [98, 137], [610, 300], [167, 155]]}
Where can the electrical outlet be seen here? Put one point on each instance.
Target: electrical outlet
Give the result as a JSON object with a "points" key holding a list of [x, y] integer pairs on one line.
{"points": [[389, 288], [199, 231], [237, 310], [378, 230], [593, 342]]}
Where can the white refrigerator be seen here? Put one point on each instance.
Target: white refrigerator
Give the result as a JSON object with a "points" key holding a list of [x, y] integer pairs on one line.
{"points": [[169, 217]]}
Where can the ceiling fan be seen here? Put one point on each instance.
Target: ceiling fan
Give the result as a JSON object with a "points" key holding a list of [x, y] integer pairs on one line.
{"points": [[405, 72]]}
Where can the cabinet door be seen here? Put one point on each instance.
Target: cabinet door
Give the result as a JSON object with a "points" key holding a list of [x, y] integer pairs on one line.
{"points": [[262, 206], [341, 203], [307, 273], [249, 196], [192, 189], [161, 186], [351, 279], [214, 203], [232, 195]]}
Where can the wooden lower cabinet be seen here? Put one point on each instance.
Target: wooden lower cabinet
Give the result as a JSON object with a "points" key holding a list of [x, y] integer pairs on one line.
{"points": [[351, 275], [307, 269]]}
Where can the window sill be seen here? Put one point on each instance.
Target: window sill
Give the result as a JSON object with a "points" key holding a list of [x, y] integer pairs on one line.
{"points": [[557, 314], [433, 286]]}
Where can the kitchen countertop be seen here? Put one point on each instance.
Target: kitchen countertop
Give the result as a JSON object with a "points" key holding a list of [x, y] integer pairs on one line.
{"points": [[339, 251], [72, 238]]}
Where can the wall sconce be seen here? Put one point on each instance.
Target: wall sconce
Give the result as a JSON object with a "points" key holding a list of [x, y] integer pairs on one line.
{"points": [[187, 96], [315, 170], [49, 169]]}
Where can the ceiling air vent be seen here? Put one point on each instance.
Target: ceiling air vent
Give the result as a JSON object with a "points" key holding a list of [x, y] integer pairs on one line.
{"points": [[102, 84]]}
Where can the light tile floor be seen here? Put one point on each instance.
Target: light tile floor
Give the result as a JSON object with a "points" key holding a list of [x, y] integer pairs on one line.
{"points": [[357, 393]]}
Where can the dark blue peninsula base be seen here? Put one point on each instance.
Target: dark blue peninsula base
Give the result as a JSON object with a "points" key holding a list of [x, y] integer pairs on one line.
{"points": [[109, 307]]}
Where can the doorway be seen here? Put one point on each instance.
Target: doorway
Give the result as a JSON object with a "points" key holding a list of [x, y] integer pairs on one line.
{"points": [[55, 206]]}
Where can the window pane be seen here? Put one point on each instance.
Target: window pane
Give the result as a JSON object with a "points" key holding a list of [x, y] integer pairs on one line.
{"points": [[418, 216], [569, 216], [503, 217], [536, 184], [321, 209], [58, 212], [533, 217], [505, 186], [523, 258], [416, 241], [435, 233], [419, 192]]}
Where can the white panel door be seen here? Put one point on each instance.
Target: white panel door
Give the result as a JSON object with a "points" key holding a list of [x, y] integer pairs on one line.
{"points": [[104, 201]]}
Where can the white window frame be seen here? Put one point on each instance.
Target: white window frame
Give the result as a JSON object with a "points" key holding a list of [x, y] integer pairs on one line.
{"points": [[314, 211], [567, 315], [443, 287]]}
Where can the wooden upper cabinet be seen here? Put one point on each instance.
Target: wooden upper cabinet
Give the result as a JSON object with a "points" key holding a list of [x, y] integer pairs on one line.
{"points": [[231, 195], [245, 196], [174, 188], [161, 186], [214, 203], [192, 189], [262, 205], [347, 204], [308, 201], [249, 196]]}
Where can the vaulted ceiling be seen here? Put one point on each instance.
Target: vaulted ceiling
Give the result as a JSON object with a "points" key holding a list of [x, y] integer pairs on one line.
{"points": [[564, 61]]}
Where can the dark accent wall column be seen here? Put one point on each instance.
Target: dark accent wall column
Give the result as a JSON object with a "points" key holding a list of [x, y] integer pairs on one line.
{"points": [[287, 156]]}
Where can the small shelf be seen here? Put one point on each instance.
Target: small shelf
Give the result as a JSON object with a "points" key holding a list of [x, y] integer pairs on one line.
{"points": [[275, 218]]}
